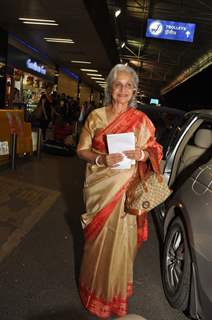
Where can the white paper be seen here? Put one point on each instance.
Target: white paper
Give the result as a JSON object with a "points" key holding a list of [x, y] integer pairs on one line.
{"points": [[119, 142], [4, 148]]}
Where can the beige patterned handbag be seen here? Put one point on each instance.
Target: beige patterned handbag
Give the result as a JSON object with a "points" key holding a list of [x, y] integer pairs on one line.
{"points": [[143, 196]]}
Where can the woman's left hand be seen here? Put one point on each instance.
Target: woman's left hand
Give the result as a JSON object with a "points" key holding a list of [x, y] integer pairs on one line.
{"points": [[136, 154]]}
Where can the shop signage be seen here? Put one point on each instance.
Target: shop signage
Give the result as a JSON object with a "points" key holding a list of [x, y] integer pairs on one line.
{"points": [[170, 30], [35, 67]]}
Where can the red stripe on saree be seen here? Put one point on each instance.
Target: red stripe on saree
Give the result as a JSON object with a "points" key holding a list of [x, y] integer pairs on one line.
{"points": [[127, 122], [93, 228], [102, 308], [142, 229], [124, 123]]}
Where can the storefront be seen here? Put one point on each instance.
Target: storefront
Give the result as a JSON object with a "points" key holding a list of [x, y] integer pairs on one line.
{"points": [[85, 93], [27, 79], [71, 85], [68, 83]]}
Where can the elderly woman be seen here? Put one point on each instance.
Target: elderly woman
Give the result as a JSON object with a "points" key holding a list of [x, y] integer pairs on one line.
{"points": [[111, 235]]}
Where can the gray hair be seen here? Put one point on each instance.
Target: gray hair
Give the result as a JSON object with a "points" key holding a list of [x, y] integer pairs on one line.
{"points": [[112, 76]]}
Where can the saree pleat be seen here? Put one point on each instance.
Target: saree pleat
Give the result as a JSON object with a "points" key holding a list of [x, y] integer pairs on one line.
{"points": [[106, 272], [112, 237]]}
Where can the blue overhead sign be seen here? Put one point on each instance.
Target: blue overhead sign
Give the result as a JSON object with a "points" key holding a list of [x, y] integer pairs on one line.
{"points": [[170, 30]]}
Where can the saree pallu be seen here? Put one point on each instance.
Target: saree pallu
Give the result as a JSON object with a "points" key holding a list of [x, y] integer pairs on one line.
{"points": [[111, 236]]}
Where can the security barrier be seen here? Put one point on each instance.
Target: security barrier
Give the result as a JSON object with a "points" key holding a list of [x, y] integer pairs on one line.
{"points": [[13, 129]]}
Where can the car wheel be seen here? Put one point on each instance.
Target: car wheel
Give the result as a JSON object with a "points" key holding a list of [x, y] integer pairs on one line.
{"points": [[176, 266]]}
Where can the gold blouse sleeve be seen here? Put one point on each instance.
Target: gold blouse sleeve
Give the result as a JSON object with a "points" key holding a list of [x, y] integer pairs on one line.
{"points": [[87, 133]]}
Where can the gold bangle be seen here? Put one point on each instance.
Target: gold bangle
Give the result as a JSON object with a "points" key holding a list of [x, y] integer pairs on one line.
{"points": [[142, 156], [97, 162]]}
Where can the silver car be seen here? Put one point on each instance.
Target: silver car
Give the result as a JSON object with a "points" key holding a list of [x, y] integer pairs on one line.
{"points": [[185, 219]]}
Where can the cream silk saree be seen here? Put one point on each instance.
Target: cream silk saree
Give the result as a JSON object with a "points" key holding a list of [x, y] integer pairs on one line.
{"points": [[112, 236]]}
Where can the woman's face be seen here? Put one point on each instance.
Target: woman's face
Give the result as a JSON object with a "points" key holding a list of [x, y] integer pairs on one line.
{"points": [[122, 87]]}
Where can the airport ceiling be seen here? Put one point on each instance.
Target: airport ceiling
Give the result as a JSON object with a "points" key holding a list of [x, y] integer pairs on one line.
{"points": [[99, 37]]}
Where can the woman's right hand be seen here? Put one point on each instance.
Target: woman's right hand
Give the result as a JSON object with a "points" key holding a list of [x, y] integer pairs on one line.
{"points": [[112, 159]]}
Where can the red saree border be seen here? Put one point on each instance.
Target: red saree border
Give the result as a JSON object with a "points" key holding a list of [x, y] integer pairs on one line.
{"points": [[123, 116], [142, 229], [125, 122], [94, 227], [102, 308]]}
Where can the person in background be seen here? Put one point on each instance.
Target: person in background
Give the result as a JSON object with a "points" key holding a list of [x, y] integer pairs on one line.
{"points": [[112, 236], [83, 112], [46, 105], [16, 96]]}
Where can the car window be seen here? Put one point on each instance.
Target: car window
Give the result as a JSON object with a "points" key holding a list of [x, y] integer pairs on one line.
{"points": [[167, 130], [176, 134], [196, 152], [176, 147], [165, 120]]}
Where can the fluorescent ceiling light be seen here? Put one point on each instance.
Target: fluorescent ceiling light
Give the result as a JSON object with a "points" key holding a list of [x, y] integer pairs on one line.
{"points": [[90, 70], [59, 40], [97, 78], [136, 63], [117, 12], [94, 74], [79, 61], [41, 23], [38, 20]]}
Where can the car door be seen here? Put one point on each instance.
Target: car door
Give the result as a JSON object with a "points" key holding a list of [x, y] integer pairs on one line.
{"points": [[177, 146]]}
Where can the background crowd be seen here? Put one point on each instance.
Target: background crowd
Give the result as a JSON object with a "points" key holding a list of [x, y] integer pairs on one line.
{"points": [[59, 115]]}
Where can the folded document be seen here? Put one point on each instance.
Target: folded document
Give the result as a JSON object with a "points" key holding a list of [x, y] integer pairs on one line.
{"points": [[119, 142]]}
